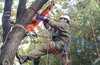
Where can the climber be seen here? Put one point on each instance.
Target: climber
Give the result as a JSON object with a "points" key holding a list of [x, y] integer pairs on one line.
{"points": [[61, 44]]}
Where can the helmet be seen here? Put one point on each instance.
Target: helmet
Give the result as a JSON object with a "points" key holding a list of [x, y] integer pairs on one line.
{"points": [[65, 16]]}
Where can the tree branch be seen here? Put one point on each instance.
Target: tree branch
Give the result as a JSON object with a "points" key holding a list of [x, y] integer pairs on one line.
{"points": [[21, 9]]}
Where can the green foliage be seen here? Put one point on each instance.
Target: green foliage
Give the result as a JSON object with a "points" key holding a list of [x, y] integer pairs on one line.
{"points": [[82, 55], [82, 19], [85, 20]]}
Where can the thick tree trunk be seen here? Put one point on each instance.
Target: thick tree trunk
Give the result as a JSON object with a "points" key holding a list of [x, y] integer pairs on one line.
{"points": [[15, 36], [6, 18]]}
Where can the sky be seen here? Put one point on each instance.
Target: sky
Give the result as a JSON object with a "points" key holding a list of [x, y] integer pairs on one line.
{"points": [[1, 4], [0, 18]]}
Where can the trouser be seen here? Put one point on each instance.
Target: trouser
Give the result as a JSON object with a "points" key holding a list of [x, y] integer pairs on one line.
{"points": [[51, 47]]}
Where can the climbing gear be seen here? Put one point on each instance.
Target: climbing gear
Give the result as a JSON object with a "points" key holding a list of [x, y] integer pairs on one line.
{"points": [[19, 25], [22, 59], [32, 34]]}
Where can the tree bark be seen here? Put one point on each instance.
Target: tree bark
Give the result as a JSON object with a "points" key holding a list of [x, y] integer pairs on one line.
{"points": [[6, 18], [21, 9], [10, 46]]}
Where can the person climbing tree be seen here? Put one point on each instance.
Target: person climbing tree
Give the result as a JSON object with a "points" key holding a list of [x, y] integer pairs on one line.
{"points": [[58, 47]]}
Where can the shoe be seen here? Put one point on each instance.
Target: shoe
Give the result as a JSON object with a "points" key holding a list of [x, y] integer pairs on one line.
{"points": [[22, 59]]}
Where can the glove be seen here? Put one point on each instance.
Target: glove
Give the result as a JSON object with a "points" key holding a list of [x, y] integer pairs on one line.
{"points": [[46, 25], [45, 20], [40, 17]]}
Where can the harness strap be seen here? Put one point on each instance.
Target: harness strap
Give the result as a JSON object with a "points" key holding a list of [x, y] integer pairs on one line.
{"points": [[20, 26]]}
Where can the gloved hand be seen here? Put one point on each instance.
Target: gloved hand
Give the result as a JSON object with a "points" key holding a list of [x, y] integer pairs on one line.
{"points": [[40, 17], [45, 20], [46, 25]]}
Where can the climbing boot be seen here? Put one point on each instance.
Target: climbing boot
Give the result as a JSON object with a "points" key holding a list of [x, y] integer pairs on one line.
{"points": [[22, 59]]}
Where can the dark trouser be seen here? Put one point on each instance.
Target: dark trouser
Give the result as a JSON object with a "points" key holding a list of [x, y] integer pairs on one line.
{"points": [[50, 47]]}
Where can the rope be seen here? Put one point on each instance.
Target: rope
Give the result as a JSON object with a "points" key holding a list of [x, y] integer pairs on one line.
{"points": [[56, 53], [19, 25], [53, 50]]}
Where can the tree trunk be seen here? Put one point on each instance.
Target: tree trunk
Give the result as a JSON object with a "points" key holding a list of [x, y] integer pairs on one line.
{"points": [[18, 32], [6, 18]]}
